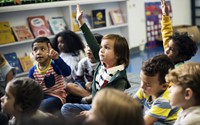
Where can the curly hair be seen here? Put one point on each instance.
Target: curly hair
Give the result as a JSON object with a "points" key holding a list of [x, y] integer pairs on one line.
{"points": [[72, 42], [186, 46], [28, 93], [160, 65]]}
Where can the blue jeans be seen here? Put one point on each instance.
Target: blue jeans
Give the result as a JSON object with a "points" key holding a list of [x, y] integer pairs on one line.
{"points": [[72, 109], [50, 104]]}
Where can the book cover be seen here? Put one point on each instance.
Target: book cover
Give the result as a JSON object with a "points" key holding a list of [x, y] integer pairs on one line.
{"points": [[39, 26], [22, 32], [26, 63], [99, 18], [6, 35], [88, 20], [57, 24], [13, 61], [75, 26], [116, 16]]}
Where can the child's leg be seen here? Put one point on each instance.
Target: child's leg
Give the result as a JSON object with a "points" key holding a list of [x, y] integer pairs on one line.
{"points": [[71, 110], [50, 104], [76, 90]]}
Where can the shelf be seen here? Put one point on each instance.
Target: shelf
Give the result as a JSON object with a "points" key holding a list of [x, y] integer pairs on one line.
{"points": [[51, 5], [51, 37]]}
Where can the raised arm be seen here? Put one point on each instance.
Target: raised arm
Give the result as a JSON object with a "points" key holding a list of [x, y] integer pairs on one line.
{"points": [[89, 37], [166, 29]]}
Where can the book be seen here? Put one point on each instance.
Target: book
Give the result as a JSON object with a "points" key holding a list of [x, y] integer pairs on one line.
{"points": [[99, 18], [22, 32], [26, 63], [39, 26], [6, 35], [75, 26], [57, 24], [13, 61], [116, 16], [88, 20]]}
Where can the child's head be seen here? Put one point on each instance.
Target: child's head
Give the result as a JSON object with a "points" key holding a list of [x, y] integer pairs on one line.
{"points": [[40, 49], [185, 90], [114, 50], [88, 50], [68, 42], [22, 96], [113, 107], [181, 47], [153, 73]]}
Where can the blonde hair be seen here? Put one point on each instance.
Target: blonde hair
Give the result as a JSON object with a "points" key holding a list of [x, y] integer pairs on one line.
{"points": [[187, 76], [116, 108]]}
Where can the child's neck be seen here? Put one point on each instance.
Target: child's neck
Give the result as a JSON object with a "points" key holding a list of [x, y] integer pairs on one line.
{"points": [[44, 65]]}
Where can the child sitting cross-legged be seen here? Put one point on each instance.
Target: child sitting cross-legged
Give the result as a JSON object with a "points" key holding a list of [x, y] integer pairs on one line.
{"points": [[185, 93], [153, 93]]}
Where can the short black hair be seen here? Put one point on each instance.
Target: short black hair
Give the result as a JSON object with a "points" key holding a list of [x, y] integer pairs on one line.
{"points": [[41, 40], [160, 65], [186, 46]]}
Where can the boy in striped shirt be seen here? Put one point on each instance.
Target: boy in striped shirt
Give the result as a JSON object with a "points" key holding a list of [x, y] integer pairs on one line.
{"points": [[49, 72], [153, 93]]}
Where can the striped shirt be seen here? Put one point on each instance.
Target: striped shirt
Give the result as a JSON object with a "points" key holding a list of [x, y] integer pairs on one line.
{"points": [[159, 108]]}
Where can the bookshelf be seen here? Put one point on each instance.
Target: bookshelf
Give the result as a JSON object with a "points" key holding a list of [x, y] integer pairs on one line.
{"points": [[17, 15], [195, 9]]}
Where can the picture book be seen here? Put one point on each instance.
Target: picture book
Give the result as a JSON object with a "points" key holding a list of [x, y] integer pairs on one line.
{"points": [[116, 16], [6, 33], [13, 61], [57, 24], [88, 20], [26, 63], [39, 26], [99, 18], [22, 32], [75, 26]]}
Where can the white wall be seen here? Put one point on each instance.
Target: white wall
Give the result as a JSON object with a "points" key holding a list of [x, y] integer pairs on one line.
{"points": [[136, 16]]}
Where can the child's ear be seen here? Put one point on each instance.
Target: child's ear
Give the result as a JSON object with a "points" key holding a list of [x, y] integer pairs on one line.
{"points": [[165, 86], [188, 93]]}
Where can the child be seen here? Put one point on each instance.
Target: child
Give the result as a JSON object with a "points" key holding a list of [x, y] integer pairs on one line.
{"points": [[178, 46], [113, 57], [113, 107], [83, 75], [153, 93], [22, 99], [7, 73], [68, 44], [49, 72], [185, 92]]}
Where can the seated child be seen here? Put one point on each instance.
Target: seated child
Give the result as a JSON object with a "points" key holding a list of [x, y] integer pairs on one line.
{"points": [[7, 73], [153, 93], [69, 46], [185, 92], [83, 76], [113, 59], [21, 100], [178, 46], [113, 107], [49, 72]]}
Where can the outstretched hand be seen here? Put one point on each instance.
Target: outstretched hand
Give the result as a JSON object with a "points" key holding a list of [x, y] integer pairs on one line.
{"points": [[52, 53], [164, 8], [79, 14]]}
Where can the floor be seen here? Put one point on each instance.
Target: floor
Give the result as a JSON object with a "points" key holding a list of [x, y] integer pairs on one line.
{"points": [[136, 59]]}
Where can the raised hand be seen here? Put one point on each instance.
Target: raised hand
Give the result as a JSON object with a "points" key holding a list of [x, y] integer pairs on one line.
{"points": [[164, 8], [52, 53], [79, 14]]}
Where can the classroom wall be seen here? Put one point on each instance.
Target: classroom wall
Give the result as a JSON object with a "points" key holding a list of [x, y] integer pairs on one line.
{"points": [[181, 10]]}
